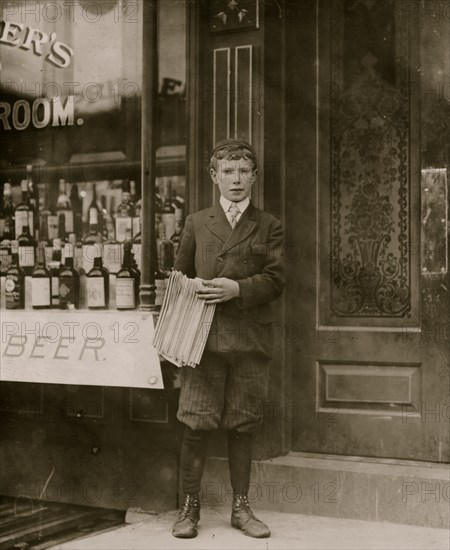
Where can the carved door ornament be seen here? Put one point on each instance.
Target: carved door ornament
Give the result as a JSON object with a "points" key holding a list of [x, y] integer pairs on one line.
{"points": [[369, 195]]}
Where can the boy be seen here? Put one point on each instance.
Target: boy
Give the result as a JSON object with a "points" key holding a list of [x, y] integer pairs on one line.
{"points": [[236, 250]]}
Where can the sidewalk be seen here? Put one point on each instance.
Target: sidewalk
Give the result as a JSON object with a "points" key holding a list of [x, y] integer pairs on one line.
{"points": [[289, 531]]}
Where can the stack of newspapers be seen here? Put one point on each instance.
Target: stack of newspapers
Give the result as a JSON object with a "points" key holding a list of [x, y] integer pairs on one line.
{"points": [[184, 322]]}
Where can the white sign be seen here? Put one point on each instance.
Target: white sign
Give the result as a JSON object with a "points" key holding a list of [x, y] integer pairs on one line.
{"points": [[79, 347]]}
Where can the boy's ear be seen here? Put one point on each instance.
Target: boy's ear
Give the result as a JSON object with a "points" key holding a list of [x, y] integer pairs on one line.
{"points": [[213, 175]]}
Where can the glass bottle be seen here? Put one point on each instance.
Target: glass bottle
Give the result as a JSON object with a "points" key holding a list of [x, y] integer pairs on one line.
{"points": [[64, 206], [97, 283], [162, 257], [41, 282], [127, 281], [15, 281], [178, 204], [8, 209], [62, 233], [161, 285], [2, 216], [137, 209], [33, 194], [176, 237], [165, 254], [94, 214], [47, 218], [54, 266], [44, 238], [69, 281], [24, 214], [26, 250], [124, 214], [91, 244], [112, 249], [168, 210], [52, 220], [137, 218], [104, 218], [133, 192], [5, 248], [136, 250], [77, 209]]}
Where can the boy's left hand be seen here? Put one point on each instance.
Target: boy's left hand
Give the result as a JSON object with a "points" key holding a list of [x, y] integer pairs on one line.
{"points": [[218, 290]]}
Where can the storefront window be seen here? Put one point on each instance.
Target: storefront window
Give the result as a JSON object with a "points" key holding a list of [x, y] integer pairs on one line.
{"points": [[70, 111]]}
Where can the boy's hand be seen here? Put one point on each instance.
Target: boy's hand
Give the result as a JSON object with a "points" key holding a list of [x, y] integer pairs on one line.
{"points": [[218, 290]]}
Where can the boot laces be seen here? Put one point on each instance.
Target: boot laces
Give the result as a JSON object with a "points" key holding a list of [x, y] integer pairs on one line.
{"points": [[190, 503], [241, 501]]}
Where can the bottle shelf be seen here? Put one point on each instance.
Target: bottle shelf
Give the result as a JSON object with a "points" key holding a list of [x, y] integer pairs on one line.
{"points": [[55, 307], [167, 164], [86, 216]]}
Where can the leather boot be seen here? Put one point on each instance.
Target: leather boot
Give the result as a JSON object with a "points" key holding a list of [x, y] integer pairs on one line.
{"points": [[185, 526], [244, 519]]}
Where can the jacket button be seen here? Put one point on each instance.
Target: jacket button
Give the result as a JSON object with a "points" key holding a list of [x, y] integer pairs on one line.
{"points": [[219, 308]]}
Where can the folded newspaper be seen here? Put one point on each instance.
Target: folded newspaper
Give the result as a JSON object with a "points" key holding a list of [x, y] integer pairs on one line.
{"points": [[184, 322]]}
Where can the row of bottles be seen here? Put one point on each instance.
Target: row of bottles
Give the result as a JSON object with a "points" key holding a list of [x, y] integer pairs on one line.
{"points": [[56, 285], [32, 222], [35, 206], [35, 211]]}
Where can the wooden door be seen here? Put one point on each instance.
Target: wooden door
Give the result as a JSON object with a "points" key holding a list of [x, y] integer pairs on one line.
{"points": [[368, 290]]}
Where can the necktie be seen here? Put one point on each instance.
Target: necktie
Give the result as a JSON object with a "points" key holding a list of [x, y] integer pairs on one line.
{"points": [[233, 212]]}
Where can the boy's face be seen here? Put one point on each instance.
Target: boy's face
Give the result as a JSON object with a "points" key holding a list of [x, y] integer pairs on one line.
{"points": [[234, 178]]}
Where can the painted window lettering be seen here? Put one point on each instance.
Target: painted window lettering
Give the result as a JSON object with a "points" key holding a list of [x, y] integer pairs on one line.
{"points": [[40, 113], [29, 38]]}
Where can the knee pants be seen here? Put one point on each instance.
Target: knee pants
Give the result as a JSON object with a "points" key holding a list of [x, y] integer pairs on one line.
{"points": [[225, 389]]}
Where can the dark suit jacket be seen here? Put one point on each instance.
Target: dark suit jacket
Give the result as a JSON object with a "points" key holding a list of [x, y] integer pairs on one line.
{"points": [[252, 255]]}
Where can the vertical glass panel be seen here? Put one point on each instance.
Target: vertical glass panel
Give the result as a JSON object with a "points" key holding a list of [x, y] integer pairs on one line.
{"points": [[435, 134], [434, 185], [221, 99], [243, 83], [171, 121]]}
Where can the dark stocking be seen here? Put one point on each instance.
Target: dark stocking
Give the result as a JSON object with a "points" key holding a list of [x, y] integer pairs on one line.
{"points": [[240, 460], [193, 455]]}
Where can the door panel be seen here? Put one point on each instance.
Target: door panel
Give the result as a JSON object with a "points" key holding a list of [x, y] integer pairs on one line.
{"points": [[371, 371], [369, 159]]}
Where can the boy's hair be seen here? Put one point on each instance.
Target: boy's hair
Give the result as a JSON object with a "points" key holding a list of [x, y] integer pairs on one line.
{"points": [[232, 149]]}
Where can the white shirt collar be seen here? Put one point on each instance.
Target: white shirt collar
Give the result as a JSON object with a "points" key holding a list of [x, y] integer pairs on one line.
{"points": [[242, 205]]}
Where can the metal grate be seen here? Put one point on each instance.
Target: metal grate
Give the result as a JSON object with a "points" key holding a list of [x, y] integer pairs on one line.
{"points": [[26, 525]]}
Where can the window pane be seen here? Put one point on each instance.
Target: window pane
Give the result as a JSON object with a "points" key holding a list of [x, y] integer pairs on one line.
{"points": [[435, 135], [71, 81]]}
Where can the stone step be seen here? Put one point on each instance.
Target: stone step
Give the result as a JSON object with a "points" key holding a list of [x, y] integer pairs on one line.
{"points": [[396, 491]]}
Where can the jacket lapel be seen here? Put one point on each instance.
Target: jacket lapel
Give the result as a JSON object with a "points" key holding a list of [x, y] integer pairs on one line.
{"points": [[245, 226], [218, 224]]}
